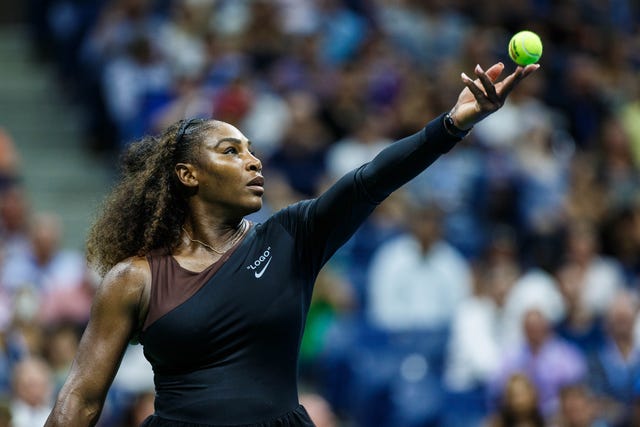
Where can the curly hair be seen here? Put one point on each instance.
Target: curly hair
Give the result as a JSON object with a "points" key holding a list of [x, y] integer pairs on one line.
{"points": [[147, 206]]}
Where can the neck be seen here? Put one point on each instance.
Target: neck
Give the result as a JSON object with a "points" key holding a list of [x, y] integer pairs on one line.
{"points": [[211, 220], [212, 228], [217, 237]]}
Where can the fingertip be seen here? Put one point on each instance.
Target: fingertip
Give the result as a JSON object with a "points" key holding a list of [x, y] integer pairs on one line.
{"points": [[530, 68], [464, 77]]}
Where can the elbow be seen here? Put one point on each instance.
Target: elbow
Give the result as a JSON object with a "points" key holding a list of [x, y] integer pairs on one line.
{"points": [[74, 411]]}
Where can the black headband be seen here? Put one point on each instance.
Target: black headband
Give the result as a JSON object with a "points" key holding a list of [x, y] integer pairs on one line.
{"points": [[183, 129]]}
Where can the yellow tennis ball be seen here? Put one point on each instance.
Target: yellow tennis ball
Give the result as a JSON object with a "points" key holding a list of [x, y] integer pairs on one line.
{"points": [[525, 48]]}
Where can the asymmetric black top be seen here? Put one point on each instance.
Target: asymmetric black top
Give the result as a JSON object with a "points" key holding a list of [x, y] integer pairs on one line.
{"points": [[223, 343]]}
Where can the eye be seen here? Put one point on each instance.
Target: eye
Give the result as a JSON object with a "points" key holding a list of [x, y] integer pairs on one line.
{"points": [[230, 150]]}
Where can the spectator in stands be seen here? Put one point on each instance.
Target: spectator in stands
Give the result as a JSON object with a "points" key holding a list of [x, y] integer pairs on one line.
{"points": [[599, 277], [32, 392], [580, 324], [547, 360], [12, 350], [616, 167], [69, 304], [61, 345], [385, 223], [578, 408], [45, 266], [129, 81], [586, 199], [519, 405], [103, 60], [367, 140], [536, 288], [457, 186], [583, 102], [301, 158], [615, 366], [15, 216], [621, 238], [629, 115], [542, 178], [476, 344], [417, 280]]}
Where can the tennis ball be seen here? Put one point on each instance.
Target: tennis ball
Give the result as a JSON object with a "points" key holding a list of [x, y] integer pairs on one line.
{"points": [[525, 48]]}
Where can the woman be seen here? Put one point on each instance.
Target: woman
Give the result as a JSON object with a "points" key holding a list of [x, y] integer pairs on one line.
{"points": [[519, 406], [219, 303]]}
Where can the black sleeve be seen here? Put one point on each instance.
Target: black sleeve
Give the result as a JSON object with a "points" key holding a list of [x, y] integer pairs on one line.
{"points": [[405, 159], [330, 220]]}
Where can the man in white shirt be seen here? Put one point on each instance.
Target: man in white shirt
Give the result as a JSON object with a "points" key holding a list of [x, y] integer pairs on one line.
{"points": [[417, 280]]}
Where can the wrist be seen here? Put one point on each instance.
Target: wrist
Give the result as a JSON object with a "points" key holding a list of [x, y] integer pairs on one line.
{"points": [[451, 127]]}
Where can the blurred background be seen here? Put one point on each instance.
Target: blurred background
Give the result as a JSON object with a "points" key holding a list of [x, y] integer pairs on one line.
{"points": [[498, 288]]}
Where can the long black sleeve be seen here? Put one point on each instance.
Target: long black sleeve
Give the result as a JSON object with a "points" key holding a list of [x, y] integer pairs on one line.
{"points": [[322, 225], [404, 160], [393, 167]]}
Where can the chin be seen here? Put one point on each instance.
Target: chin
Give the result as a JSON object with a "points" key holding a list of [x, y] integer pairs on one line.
{"points": [[255, 207]]}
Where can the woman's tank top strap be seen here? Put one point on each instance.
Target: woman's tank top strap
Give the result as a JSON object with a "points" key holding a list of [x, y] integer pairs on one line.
{"points": [[296, 418]]}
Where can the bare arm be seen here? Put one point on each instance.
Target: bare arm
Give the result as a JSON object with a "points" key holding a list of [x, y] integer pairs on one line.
{"points": [[115, 315]]}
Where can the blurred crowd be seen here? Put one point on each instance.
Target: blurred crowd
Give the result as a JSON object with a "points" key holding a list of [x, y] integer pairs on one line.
{"points": [[498, 288]]}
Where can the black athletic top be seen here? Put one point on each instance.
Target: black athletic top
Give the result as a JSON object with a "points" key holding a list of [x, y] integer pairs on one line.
{"points": [[223, 343]]}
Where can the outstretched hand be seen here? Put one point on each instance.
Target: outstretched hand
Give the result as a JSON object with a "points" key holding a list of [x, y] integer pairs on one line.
{"points": [[485, 94]]}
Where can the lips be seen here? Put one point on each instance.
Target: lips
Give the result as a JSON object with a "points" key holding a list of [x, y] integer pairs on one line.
{"points": [[256, 182], [256, 185]]}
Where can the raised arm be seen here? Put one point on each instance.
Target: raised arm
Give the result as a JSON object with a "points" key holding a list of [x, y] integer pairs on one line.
{"points": [[115, 315], [340, 210], [406, 158]]}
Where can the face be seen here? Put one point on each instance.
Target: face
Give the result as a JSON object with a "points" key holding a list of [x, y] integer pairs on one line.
{"points": [[425, 223], [500, 280], [621, 317], [227, 177], [577, 407], [520, 395], [45, 236], [33, 382], [536, 328]]}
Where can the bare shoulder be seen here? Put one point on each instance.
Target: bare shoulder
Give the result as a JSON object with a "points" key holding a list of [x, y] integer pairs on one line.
{"points": [[128, 281], [130, 269]]}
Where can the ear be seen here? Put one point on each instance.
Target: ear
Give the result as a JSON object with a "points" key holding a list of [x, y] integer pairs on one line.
{"points": [[187, 174]]}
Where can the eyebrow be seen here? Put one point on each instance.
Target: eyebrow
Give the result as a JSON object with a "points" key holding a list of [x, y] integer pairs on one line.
{"points": [[232, 139]]}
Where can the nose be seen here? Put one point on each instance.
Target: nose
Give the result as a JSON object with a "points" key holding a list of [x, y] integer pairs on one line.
{"points": [[254, 163]]}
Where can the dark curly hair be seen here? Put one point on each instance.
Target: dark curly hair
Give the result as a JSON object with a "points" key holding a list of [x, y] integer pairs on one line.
{"points": [[148, 205]]}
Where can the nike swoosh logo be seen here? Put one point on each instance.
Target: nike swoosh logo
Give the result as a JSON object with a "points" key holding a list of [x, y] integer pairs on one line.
{"points": [[259, 274]]}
